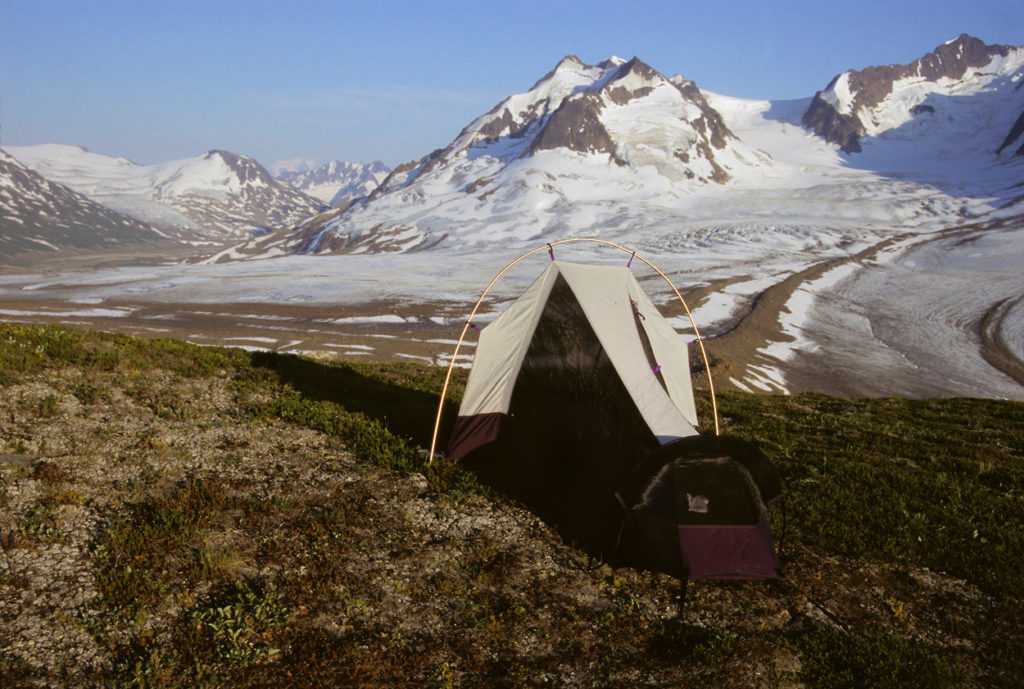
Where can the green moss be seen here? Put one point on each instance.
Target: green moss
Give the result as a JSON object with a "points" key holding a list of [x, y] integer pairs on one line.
{"points": [[89, 393], [935, 483], [49, 406], [233, 624], [134, 549], [39, 524], [834, 659]]}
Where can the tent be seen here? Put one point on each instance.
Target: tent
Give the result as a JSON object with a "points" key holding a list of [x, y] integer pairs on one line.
{"points": [[575, 389]]}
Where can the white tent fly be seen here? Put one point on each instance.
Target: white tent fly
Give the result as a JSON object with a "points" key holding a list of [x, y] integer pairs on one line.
{"points": [[644, 351]]}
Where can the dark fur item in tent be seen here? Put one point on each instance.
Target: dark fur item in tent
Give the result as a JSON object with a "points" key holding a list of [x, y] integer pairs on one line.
{"points": [[698, 509]]}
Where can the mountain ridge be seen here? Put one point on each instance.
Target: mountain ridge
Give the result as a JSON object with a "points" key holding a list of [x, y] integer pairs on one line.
{"points": [[848, 109], [39, 214], [214, 198]]}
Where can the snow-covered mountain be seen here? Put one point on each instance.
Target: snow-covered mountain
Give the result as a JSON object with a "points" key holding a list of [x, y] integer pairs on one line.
{"points": [[626, 113], [619, 150], [37, 214], [337, 183], [963, 84], [589, 142], [217, 197]]}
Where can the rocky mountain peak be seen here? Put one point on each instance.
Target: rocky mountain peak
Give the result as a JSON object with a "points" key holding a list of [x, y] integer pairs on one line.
{"points": [[867, 102], [633, 79], [568, 62], [582, 121], [246, 168], [608, 63], [639, 68], [568, 68], [622, 109], [953, 58], [576, 125]]}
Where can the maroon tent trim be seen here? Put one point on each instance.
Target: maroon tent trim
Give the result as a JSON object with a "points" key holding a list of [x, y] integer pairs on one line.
{"points": [[729, 551], [471, 432]]}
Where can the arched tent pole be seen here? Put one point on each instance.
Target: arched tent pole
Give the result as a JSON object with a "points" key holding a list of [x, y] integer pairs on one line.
{"points": [[550, 247]]}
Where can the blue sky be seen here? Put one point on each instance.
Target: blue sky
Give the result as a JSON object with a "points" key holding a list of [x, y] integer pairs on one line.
{"points": [[155, 81]]}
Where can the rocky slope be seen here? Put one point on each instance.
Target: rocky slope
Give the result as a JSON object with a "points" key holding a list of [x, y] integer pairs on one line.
{"points": [[1015, 137], [39, 215]]}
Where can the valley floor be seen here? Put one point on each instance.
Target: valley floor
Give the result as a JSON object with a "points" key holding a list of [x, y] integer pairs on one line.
{"points": [[932, 315]]}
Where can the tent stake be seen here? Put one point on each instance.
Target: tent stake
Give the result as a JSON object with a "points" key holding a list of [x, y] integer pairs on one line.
{"points": [[681, 600]]}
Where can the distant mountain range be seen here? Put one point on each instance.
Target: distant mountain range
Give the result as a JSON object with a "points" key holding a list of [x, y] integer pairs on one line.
{"points": [[215, 198], [599, 148], [337, 183], [609, 147]]}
